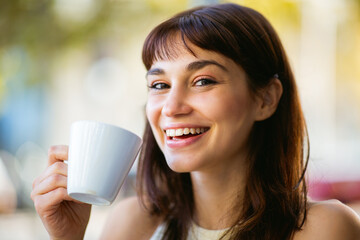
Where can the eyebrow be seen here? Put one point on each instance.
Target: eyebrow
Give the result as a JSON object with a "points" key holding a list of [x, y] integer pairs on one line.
{"points": [[197, 65], [155, 71], [203, 63]]}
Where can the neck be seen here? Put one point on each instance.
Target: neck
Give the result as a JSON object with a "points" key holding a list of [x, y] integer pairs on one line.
{"points": [[216, 192]]}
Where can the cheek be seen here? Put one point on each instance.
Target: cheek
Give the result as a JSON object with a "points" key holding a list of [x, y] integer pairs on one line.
{"points": [[238, 107], [239, 104], [224, 106], [153, 110], [153, 113]]}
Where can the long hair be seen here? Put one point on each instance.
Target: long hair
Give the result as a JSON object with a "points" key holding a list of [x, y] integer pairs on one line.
{"points": [[275, 202]]}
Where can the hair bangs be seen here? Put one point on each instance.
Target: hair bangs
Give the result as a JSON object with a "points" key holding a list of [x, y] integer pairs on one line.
{"points": [[276, 190], [209, 33], [198, 27], [162, 44]]}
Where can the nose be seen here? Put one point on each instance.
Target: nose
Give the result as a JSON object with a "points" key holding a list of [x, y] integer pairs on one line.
{"points": [[176, 104]]}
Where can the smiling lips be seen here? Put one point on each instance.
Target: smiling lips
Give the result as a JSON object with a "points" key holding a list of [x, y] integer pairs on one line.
{"points": [[184, 131], [182, 137]]}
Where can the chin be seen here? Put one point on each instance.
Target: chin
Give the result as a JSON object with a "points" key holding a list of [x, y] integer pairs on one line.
{"points": [[183, 164]]}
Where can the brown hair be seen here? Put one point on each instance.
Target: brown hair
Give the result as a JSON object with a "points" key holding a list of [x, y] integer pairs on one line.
{"points": [[275, 200]]}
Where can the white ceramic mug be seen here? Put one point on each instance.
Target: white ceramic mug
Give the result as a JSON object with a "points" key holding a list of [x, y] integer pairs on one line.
{"points": [[100, 158]]}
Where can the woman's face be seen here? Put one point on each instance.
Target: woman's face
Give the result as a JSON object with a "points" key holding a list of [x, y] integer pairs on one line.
{"points": [[200, 110]]}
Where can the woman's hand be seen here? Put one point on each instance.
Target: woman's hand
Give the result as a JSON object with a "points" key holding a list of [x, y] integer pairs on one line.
{"points": [[62, 216]]}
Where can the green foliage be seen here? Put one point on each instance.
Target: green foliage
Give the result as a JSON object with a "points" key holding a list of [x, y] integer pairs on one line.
{"points": [[34, 25], [36, 29]]}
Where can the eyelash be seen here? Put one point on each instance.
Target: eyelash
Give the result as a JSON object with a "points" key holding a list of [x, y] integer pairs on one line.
{"points": [[160, 85], [207, 80], [156, 84]]}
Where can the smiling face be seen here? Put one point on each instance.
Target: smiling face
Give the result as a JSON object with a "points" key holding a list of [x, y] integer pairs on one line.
{"points": [[200, 110]]}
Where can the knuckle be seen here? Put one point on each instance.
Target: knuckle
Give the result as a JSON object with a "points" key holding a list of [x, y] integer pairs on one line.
{"points": [[32, 196], [52, 150], [61, 193], [37, 204], [55, 149], [34, 183], [56, 152], [58, 166], [54, 179]]}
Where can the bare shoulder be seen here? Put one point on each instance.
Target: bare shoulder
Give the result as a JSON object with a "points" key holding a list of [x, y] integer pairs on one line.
{"points": [[129, 220], [330, 220]]}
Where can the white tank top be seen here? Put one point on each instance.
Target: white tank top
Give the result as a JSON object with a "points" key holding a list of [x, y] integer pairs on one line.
{"points": [[195, 233]]}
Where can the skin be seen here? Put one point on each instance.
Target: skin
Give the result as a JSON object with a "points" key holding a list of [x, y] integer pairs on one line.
{"points": [[179, 96], [63, 217], [210, 91]]}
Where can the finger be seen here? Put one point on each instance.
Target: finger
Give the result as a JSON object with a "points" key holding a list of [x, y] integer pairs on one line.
{"points": [[49, 184], [57, 153], [52, 199], [56, 168]]}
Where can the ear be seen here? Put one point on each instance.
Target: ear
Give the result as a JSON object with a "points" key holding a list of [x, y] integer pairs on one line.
{"points": [[268, 99]]}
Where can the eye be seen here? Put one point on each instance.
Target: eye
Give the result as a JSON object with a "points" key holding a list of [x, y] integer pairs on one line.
{"points": [[159, 86], [204, 82]]}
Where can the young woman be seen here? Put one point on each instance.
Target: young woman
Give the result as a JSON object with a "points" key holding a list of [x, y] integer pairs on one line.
{"points": [[224, 145]]}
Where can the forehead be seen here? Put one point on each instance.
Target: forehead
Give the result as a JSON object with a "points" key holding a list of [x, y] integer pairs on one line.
{"points": [[169, 48], [187, 61], [173, 44], [176, 52], [179, 50]]}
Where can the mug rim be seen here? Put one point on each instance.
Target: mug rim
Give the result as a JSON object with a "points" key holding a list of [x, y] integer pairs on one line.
{"points": [[106, 124]]}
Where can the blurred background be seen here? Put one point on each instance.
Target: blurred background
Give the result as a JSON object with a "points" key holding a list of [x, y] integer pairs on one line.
{"points": [[65, 60]]}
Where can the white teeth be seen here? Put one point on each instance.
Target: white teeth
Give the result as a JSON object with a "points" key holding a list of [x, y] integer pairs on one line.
{"points": [[172, 133], [179, 132], [186, 131], [183, 131]]}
